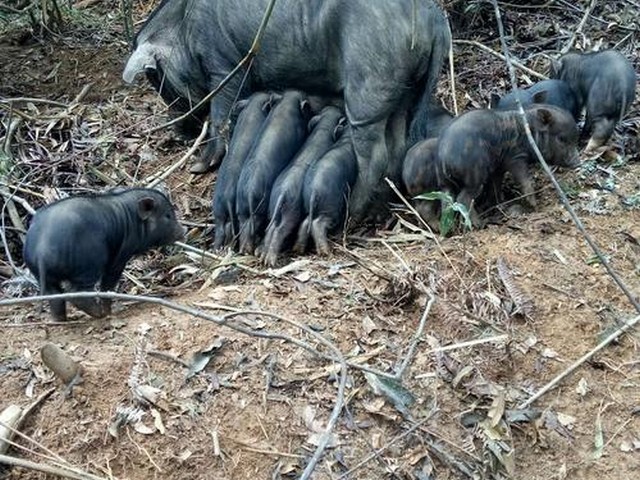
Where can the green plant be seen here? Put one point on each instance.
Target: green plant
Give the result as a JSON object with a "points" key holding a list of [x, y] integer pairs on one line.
{"points": [[450, 208]]}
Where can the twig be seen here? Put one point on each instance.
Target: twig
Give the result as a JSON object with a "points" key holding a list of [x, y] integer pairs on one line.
{"points": [[533, 73], [168, 356], [452, 77], [416, 338], [212, 256], [470, 343], [549, 386], [159, 178], [43, 101], [563, 197], [574, 35], [41, 467], [247, 58], [12, 196]]}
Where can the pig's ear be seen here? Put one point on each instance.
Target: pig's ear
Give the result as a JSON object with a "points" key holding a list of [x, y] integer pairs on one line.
{"points": [[340, 128], [273, 100], [145, 207], [305, 107], [494, 99], [540, 97], [545, 116]]}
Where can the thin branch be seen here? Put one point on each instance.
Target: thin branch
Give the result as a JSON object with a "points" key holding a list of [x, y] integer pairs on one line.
{"points": [[553, 383], [574, 35], [42, 467], [161, 176], [416, 338], [522, 67]]}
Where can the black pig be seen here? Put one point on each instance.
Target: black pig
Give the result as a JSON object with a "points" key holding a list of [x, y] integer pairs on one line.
{"points": [[480, 146], [382, 57], [438, 118], [327, 185], [550, 92], [251, 119], [604, 83], [286, 205], [283, 134], [79, 243]]}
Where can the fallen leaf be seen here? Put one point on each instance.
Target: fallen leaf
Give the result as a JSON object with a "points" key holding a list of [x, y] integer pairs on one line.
{"points": [[157, 421], [368, 325], [143, 429], [303, 276], [566, 420], [599, 439], [582, 388]]}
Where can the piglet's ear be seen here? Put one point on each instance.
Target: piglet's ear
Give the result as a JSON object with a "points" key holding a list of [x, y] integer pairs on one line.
{"points": [[545, 116], [305, 107], [313, 122], [145, 207], [540, 97]]}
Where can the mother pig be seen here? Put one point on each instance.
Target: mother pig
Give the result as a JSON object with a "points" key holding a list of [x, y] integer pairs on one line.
{"points": [[382, 57]]}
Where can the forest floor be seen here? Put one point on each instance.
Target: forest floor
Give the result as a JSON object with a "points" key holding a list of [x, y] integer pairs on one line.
{"points": [[516, 303]]}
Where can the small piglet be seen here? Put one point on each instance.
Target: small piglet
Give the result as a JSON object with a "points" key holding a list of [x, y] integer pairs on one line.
{"points": [[82, 242]]}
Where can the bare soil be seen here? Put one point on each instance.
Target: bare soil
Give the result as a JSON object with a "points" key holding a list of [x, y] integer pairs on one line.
{"points": [[256, 409]]}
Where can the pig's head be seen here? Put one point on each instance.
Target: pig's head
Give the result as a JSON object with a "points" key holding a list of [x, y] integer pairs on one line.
{"points": [[162, 52], [556, 134], [160, 225]]}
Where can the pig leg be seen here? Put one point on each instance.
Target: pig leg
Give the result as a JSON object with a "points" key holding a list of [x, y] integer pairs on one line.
{"points": [[319, 230], [373, 158], [303, 237], [219, 128], [58, 308], [521, 175]]}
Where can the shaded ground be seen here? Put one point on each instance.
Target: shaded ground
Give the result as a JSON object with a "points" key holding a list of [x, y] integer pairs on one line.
{"points": [[256, 409]]}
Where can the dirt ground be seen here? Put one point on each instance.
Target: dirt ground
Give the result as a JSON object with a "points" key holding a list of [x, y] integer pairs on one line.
{"points": [[171, 395]]}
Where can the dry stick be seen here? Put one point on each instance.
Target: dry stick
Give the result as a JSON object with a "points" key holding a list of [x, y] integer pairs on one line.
{"points": [[12, 196], [212, 256], [574, 35], [451, 69], [41, 467], [547, 170], [247, 58], [549, 386], [160, 177], [43, 101], [416, 339], [195, 313], [533, 73]]}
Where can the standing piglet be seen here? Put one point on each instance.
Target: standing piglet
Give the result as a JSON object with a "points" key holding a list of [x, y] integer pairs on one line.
{"points": [[283, 134], [476, 150], [327, 185], [286, 208], [604, 83], [80, 243], [253, 113]]}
